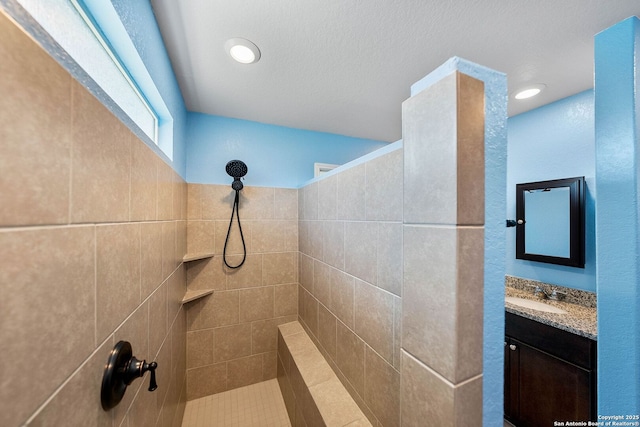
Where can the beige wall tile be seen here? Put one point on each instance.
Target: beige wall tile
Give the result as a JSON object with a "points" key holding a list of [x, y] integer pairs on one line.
{"points": [[328, 198], [390, 257], [249, 275], [335, 404], [327, 330], [333, 241], [39, 269], [322, 282], [163, 376], [269, 365], [117, 275], [287, 391], [101, 159], [199, 348], [36, 156], [397, 331], [452, 345], [290, 230], [201, 237], [256, 303], [306, 272], [351, 193], [309, 312], [374, 318], [316, 237], [267, 236], [169, 256], [231, 342], [176, 288], [194, 201], [143, 410], [285, 300], [216, 202], [426, 396], [179, 197], [286, 203], [256, 203], [219, 309], [151, 257], [301, 204], [381, 386], [165, 191], [304, 244], [360, 243], [157, 318], [206, 274], [455, 194], [179, 343], [85, 175], [80, 394], [468, 402], [280, 268], [245, 371], [470, 169], [181, 240], [144, 182], [350, 357], [310, 201], [383, 190], [210, 379], [136, 330], [264, 335], [342, 296], [435, 202]]}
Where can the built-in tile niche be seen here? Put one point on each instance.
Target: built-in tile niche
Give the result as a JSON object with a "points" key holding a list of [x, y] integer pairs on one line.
{"points": [[351, 278], [232, 333]]}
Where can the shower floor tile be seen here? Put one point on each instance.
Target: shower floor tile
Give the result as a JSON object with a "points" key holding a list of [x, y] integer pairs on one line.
{"points": [[257, 405]]}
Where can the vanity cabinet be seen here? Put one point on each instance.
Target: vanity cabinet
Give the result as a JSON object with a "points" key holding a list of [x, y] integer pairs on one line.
{"points": [[550, 374]]}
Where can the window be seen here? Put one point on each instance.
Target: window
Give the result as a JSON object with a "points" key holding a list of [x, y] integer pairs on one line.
{"points": [[90, 32]]}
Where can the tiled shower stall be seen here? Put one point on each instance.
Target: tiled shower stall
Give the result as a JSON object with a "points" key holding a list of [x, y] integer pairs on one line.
{"points": [[95, 225]]}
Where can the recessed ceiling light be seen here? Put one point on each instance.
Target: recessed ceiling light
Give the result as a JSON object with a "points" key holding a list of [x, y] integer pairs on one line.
{"points": [[242, 50], [529, 91]]}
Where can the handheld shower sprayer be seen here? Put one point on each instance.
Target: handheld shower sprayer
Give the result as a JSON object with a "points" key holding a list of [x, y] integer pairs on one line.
{"points": [[236, 169]]}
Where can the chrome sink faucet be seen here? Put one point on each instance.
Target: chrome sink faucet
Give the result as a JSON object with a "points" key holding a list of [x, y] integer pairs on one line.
{"points": [[555, 295]]}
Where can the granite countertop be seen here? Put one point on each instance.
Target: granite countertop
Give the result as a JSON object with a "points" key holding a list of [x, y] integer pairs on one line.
{"points": [[579, 319]]}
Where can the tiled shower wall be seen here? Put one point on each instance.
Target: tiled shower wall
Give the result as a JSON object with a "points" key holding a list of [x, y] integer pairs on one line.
{"points": [[232, 334], [351, 277], [92, 233]]}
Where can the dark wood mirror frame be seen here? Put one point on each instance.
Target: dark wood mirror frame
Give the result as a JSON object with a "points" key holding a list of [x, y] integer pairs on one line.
{"points": [[576, 218]]}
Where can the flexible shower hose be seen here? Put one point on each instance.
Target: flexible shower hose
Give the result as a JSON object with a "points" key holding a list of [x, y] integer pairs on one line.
{"points": [[244, 247]]}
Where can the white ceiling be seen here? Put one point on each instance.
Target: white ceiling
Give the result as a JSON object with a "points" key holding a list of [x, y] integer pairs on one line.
{"points": [[345, 66]]}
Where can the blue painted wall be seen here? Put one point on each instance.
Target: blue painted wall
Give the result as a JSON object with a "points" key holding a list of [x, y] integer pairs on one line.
{"points": [[276, 156], [551, 142], [617, 129]]}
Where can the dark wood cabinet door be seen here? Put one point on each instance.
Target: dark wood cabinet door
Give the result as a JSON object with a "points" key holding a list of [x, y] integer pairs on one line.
{"points": [[511, 379], [548, 388]]}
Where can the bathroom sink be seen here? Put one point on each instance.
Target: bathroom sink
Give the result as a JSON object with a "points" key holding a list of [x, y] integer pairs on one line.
{"points": [[535, 305]]}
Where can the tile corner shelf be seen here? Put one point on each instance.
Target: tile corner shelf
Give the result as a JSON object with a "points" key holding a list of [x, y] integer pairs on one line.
{"points": [[196, 257], [194, 295]]}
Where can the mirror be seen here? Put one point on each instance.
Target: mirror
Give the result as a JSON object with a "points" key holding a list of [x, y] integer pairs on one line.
{"points": [[550, 221]]}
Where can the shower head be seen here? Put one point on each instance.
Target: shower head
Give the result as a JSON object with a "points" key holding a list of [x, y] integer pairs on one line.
{"points": [[236, 169]]}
